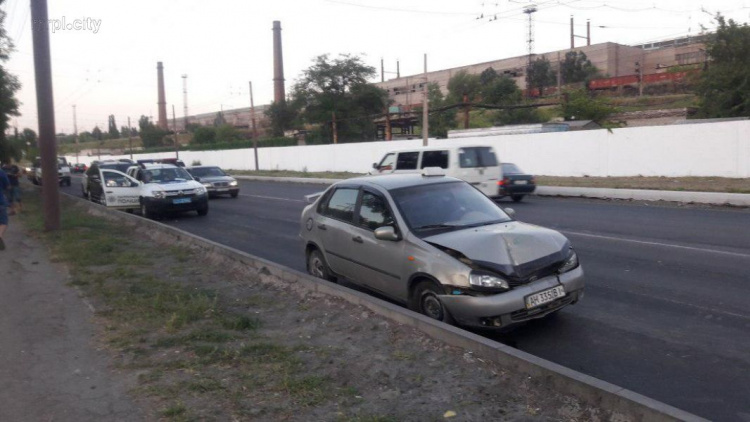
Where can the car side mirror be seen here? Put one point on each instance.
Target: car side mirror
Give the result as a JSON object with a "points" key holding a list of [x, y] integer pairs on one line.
{"points": [[197, 179], [510, 211], [386, 233], [375, 166]]}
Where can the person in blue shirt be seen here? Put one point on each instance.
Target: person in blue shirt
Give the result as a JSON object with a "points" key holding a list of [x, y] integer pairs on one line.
{"points": [[4, 187]]}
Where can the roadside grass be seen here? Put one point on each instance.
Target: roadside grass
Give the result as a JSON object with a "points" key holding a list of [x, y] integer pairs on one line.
{"points": [[290, 173], [190, 345], [692, 184]]}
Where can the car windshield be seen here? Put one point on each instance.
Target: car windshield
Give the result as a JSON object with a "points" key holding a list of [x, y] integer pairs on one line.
{"points": [[446, 206], [123, 167], [166, 175], [510, 168], [207, 172]]}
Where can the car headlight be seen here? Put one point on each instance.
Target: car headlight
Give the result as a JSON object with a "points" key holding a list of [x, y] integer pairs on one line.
{"points": [[158, 194], [201, 190], [233, 183], [487, 281], [570, 263], [207, 184]]}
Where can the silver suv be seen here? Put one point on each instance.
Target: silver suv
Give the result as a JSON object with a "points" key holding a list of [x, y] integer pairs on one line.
{"points": [[441, 247]]}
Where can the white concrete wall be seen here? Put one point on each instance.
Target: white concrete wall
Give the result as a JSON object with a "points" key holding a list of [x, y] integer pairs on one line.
{"points": [[706, 149]]}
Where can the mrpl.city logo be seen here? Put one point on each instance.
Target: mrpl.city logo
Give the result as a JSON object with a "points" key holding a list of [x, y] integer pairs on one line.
{"points": [[66, 24]]}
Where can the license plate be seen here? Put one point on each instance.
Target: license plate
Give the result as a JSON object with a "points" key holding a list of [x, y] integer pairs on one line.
{"points": [[181, 201], [520, 182], [222, 189], [544, 297]]}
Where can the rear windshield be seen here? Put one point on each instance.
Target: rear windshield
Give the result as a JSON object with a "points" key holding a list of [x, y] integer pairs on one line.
{"points": [[471, 157], [123, 167], [510, 168]]}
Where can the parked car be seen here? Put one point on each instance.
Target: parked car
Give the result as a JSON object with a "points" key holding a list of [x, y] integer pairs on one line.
{"points": [[63, 172], [441, 247], [215, 180], [79, 168], [169, 188], [113, 188], [477, 165], [515, 183], [95, 168]]}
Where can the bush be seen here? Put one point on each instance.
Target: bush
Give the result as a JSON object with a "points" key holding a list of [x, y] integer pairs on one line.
{"points": [[204, 135]]}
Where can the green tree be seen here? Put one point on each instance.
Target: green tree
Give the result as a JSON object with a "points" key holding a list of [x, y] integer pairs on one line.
{"points": [[151, 135], [219, 119], [339, 86], [576, 67], [282, 117], [9, 85], [463, 84], [580, 105], [97, 133], [226, 133], [112, 130], [540, 75], [502, 90], [204, 135], [440, 121], [724, 86]]}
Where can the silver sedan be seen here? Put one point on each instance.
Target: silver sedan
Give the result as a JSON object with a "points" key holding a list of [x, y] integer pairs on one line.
{"points": [[441, 247]]}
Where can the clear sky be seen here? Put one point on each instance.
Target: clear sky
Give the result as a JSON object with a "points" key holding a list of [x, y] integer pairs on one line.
{"points": [[223, 44]]}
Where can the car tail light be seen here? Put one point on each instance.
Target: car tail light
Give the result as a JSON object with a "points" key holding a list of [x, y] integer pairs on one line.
{"points": [[503, 182]]}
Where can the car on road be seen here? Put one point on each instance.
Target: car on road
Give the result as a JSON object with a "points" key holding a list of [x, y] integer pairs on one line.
{"points": [[215, 180], [441, 247], [63, 172], [94, 170], [476, 164], [78, 168], [515, 183], [113, 189], [169, 188]]}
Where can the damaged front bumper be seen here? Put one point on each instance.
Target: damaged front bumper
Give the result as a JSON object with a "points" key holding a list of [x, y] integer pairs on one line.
{"points": [[508, 308]]}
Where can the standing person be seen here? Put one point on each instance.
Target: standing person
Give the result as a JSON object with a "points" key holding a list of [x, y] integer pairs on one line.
{"points": [[4, 185], [14, 197]]}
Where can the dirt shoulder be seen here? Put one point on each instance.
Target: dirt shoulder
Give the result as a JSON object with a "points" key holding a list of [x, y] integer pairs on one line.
{"points": [[693, 184], [209, 344]]}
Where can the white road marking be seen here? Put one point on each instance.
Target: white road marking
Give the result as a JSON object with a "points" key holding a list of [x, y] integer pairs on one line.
{"points": [[667, 245], [273, 197]]}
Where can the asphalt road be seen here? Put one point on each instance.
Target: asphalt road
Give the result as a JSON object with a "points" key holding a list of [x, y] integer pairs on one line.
{"points": [[666, 311]]}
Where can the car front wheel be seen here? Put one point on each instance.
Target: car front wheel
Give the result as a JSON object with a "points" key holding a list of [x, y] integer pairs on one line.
{"points": [[426, 301], [146, 212]]}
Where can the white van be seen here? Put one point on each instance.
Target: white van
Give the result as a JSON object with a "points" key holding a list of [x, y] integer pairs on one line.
{"points": [[477, 165]]}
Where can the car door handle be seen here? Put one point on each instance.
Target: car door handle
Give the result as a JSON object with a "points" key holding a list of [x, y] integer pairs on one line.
{"points": [[322, 227], [358, 239], [109, 191]]}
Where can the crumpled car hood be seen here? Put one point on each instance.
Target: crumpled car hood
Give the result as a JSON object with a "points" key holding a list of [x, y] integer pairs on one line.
{"points": [[514, 249]]}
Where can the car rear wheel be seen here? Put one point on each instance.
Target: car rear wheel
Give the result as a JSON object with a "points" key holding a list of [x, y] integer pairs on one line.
{"points": [[317, 266], [234, 194], [517, 198], [426, 301], [202, 211]]}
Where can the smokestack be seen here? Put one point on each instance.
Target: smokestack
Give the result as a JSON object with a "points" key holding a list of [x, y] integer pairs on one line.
{"points": [[278, 64], [162, 123]]}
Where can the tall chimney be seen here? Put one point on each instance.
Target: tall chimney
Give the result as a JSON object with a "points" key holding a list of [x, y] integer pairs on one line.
{"points": [[162, 123], [278, 65]]}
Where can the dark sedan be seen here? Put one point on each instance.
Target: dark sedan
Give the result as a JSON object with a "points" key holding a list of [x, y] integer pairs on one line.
{"points": [[215, 180], [515, 183]]}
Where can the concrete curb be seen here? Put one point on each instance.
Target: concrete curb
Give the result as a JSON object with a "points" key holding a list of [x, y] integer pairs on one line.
{"points": [[713, 198], [623, 404]]}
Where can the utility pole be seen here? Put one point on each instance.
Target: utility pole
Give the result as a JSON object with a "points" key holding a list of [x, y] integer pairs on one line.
{"points": [[255, 130], [75, 130], [588, 32], [388, 129], [130, 138], [466, 110], [174, 130], [559, 75], [335, 133], [530, 10], [425, 104], [46, 113], [184, 100], [639, 72], [572, 34], [382, 71], [398, 69]]}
